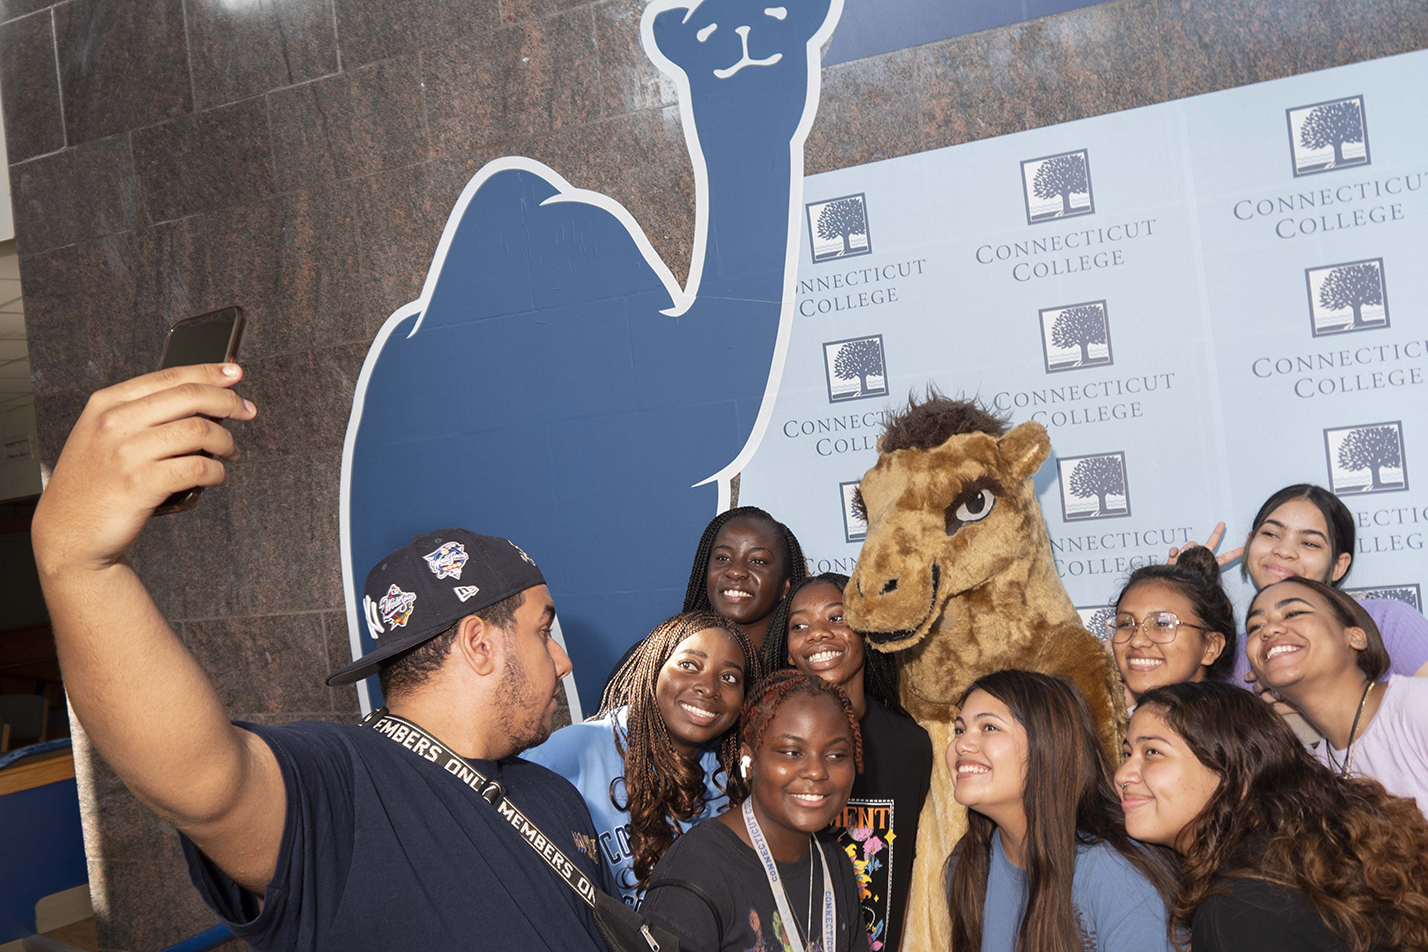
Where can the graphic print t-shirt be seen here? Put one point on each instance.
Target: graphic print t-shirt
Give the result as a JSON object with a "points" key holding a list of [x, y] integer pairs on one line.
{"points": [[878, 828], [382, 850], [728, 870]]}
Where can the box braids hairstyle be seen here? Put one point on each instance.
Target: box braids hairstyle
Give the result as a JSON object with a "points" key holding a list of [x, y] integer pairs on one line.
{"points": [[696, 596], [660, 786]]}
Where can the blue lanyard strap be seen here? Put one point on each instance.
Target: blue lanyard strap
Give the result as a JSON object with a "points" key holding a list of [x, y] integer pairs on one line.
{"points": [[761, 847]]}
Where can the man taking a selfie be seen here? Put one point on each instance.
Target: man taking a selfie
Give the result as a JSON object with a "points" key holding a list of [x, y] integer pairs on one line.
{"points": [[402, 833]]}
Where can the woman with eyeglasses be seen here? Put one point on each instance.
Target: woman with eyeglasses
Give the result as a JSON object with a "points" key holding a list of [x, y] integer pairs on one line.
{"points": [[1173, 623]]}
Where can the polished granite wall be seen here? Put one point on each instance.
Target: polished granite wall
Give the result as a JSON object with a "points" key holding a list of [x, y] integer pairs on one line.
{"points": [[299, 157]]}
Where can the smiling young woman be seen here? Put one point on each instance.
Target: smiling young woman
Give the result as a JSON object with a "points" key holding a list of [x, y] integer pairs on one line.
{"points": [[649, 764], [757, 877], [879, 825], [1277, 853], [1305, 531], [744, 563], [1317, 648], [1046, 864], [1173, 623]]}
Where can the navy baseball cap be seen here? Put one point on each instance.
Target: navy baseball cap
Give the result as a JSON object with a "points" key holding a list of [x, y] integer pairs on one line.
{"points": [[427, 586]]}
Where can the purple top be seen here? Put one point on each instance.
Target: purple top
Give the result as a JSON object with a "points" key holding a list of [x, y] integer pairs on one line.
{"points": [[1393, 749], [1404, 631]]}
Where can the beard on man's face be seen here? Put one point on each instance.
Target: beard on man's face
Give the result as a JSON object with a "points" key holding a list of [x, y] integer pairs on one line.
{"points": [[525, 717]]}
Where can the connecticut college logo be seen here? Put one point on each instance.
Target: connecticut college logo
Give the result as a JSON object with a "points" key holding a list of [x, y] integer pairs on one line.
{"points": [[1057, 186], [1093, 487], [854, 528], [1366, 459], [446, 562], [1074, 336], [1094, 617], [1410, 595], [838, 228], [1347, 297], [1328, 135], [855, 368]]}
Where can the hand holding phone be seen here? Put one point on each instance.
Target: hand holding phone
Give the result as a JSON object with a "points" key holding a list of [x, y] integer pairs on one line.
{"points": [[210, 338]]}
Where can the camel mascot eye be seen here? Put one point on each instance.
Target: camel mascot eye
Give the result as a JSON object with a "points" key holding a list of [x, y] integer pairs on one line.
{"points": [[970, 602], [970, 507]]}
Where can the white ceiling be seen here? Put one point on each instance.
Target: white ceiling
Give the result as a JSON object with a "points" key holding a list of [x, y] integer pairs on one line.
{"points": [[14, 356]]}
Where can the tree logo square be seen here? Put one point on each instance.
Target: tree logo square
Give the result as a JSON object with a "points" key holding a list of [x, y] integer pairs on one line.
{"points": [[1057, 186], [838, 228], [1328, 135], [1347, 297], [1074, 336], [1094, 617], [1093, 487], [855, 368], [854, 528], [1410, 595], [1366, 459]]}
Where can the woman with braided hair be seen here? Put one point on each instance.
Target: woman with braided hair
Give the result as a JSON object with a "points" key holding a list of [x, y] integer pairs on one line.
{"points": [[878, 827], [1277, 853], [744, 564], [757, 876], [658, 756]]}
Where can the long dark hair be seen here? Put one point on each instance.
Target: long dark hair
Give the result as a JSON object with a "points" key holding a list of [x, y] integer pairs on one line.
{"points": [[1196, 575], [1336, 516], [661, 787], [696, 596], [879, 667], [1357, 853], [1070, 798]]}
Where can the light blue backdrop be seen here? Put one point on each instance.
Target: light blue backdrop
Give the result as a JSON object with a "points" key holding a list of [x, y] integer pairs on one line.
{"points": [[1207, 224]]}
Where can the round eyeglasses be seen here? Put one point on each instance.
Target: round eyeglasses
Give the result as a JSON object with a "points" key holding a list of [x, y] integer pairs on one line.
{"points": [[1159, 627]]}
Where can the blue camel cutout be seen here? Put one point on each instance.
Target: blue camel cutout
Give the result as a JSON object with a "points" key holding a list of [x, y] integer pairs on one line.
{"points": [[554, 384]]}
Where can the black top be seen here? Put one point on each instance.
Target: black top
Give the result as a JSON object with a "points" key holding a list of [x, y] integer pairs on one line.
{"points": [[383, 850], [879, 824], [1255, 916], [728, 870]]}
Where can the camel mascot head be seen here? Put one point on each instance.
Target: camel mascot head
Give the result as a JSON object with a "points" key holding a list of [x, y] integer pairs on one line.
{"points": [[956, 576]]}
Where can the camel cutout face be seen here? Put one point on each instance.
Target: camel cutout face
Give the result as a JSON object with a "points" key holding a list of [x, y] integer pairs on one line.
{"points": [[940, 523], [720, 40], [555, 385]]}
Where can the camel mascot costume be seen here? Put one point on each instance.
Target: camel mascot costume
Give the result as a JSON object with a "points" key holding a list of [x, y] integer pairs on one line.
{"points": [[956, 576]]}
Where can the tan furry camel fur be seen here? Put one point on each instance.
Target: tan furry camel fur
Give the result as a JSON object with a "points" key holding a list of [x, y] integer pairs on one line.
{"points": [[956, 575]]}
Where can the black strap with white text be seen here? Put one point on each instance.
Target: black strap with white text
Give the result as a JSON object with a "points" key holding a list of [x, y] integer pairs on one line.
{"points": [[401, 731]]}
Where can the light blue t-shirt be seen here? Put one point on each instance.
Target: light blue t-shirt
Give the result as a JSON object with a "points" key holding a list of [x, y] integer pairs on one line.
{"points": [[1119, 910], [585, 754]]}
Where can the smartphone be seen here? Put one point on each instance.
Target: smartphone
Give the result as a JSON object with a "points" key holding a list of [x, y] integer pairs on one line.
{"points": [[206, 339]]}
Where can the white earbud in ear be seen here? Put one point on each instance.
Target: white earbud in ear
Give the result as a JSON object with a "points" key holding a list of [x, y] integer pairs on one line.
{"points": [[744, 763]]}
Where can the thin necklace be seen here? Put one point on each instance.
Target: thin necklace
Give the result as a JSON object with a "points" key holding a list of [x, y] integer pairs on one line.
{"points": [[806, 934], [1353, 730]]}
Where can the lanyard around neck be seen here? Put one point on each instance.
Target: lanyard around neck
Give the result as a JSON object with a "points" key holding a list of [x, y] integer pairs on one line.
{"points": [[404, 733], [761, 847]]}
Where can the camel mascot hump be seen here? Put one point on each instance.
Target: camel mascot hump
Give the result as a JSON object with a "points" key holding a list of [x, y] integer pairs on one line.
{"points": [[956, 576]]}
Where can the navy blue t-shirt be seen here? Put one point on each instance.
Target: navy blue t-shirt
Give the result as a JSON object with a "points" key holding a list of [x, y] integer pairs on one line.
{"points": [[383, 850]]}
